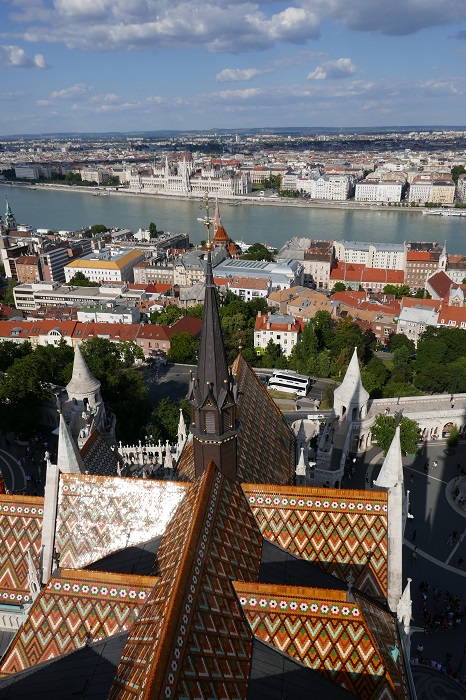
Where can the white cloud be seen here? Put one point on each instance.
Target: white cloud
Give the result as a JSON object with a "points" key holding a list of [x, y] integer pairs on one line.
{"points": [[232, 75], [16, 57], [340, 68], [71, 92]]}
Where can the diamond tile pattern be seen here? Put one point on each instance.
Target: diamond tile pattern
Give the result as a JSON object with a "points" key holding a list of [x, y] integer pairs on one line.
{"points": [[20, 530], [77, 607], [323, 631], [266, 445], [334, 528], [97, 455], [98, 515], [192, 640]]}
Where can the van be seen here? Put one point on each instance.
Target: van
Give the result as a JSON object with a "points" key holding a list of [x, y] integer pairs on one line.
{"points": [[316, 416]]}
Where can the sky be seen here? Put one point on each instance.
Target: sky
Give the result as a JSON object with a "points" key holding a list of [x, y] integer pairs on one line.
{"points": [[143, 65]]}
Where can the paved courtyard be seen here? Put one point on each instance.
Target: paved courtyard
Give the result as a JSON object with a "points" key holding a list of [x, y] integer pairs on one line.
{"points": [[440, 560]]}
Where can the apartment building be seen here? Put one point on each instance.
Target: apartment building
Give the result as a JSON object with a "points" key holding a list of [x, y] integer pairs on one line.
{"points": [[32, 296], [249, 288], [420, 265], [283, 330], [382, 255], [146, 272], [376, 190], [106, 265], [28, 268], [413, 321], [316, 257]]}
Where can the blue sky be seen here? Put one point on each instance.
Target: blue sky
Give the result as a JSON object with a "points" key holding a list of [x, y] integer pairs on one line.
{"points": [[129, 65]]}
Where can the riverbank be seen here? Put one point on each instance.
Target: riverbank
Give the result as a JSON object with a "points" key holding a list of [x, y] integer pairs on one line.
{"points": [[251, 199]]}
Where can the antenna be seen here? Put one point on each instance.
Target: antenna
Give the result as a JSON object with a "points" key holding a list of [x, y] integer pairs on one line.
{"points": [[207, 223]]}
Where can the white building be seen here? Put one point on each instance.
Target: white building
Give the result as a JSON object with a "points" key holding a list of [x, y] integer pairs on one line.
{"points": [[420, 190], [249, 288], [31, 296], [282, 330], [374, 190], [331, 187], [283, 274], [109, 313], [413, 321], [389, 256], [106, 265]]}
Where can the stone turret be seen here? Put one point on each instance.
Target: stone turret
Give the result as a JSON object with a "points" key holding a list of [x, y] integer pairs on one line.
{"points": [[391, 478], [350, 398], [68, 458]]}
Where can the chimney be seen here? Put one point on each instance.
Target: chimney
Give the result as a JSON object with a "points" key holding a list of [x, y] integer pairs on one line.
{"points": [[289, 326], [259, 314], [268, 325]]}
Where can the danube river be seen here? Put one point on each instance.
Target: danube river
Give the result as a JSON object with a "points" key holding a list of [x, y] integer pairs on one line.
{"points": [[63, 210]]}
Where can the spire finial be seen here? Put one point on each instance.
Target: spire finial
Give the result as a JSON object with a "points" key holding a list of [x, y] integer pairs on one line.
{"points": [[207, 223]]}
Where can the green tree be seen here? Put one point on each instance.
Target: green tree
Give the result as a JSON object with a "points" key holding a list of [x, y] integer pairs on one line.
{"points": [[396, 387], [456, 171], [10, 351], [130, 352], [165, 419], [79, 279], [22, 391], [183, 348], [383, 432], [196, 311], [399, 340], [322, 324], [98, 228], [258, 251], [338, 287], [398, 290], [322, 366], [8, 296], [152, 230], [430, 351], [422, 294], [402, 369], [454, 437], [327, 395], [168, 316], [271, 355]]}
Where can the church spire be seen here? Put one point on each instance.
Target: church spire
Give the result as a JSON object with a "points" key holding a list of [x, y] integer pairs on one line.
{"points": [[10, 221], [391, 472], [213, 414]]}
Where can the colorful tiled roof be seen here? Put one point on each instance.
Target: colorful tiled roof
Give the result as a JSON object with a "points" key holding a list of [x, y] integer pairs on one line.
{"points": [[98, 515], [76, 608], [20, 530], [335, 528], [265, 451], [97, 455], [191, 639], [323, 630]]}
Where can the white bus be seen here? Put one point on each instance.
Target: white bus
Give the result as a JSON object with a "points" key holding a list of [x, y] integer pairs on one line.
{"points": [[292, 383]]}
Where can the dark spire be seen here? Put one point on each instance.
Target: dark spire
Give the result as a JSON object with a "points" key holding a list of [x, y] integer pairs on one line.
{"points": [[213, 416]]}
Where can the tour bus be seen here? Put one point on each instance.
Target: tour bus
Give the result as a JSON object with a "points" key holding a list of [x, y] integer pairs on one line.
{"points": [[293, 383]]}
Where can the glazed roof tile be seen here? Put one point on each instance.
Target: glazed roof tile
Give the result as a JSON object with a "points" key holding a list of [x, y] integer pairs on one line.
{"points": [[323, 630], [191, 640], [21, 529], [98, 456], [74, 609], [265, 443], [335, 528], [98, 515]]}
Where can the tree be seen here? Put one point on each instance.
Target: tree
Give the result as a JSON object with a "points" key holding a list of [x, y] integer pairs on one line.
{"points": [[383, 432], [165, 419], [183, 348], [98, 228], [8, 297], [130, 352], [322, 324], [398, 290], [327, 396], [258, 251], [434, 378], [399, 340], [338, 287], [10, 351], [402, 369], [456, 171], [454, 437], [422, 294], [168, 316], [79, 279], [152, 230]]}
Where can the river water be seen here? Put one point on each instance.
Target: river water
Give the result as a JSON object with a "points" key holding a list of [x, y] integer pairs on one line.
{"points": [[52, 209]]}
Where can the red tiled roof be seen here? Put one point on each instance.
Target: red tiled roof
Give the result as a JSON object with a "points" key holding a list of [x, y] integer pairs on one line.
{"points": [[262, 321], [249, 283], [452, 316], [419, 255], [186, 324], [375, 274], [411, 302], [350, 297], [440, 283], [114, 331]]}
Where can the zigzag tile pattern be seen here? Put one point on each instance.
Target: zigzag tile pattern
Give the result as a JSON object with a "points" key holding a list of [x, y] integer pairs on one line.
{"points": [[136, 664], [20, 530], [266, 445], [77, 607], [323, 631], [335, 528], [385, 630], [98, 515], [97, 455], [201, 647]]}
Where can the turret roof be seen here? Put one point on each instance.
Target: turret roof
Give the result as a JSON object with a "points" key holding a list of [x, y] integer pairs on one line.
{"points": [[392, 467], [351, 390], [82, 381]]}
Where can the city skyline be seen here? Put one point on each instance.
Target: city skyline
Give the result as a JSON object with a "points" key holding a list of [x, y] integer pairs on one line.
{"points": [[129, 65]]}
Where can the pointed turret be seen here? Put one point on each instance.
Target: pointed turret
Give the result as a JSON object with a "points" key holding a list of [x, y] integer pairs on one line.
{"points": [[443, 259], [213, 415], [82, 383], [301, 470], [404, 610], [391, 472], [69, 460], [350, 398]]}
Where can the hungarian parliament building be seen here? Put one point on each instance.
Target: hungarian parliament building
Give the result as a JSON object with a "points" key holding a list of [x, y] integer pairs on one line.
{"points": [[183, 179]]}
